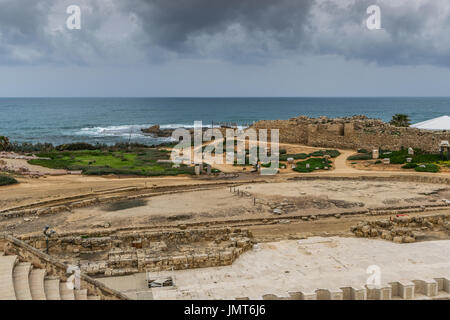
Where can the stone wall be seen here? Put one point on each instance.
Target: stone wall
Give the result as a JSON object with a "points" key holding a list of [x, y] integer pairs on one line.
{"points": [[353, 133], [112, 254], [403, 229]]}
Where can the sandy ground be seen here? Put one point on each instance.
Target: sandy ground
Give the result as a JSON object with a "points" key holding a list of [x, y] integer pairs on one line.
{"points": [[371, 194], [50, 187], [310, 197], [301, 265], [21, 163]]}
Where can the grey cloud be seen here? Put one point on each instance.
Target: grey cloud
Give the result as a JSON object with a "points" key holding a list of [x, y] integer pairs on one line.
{"points": [[232, 30], [414, 32]]}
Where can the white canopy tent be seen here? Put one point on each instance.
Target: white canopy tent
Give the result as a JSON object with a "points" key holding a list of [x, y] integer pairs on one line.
{"points": [[440, 123]]}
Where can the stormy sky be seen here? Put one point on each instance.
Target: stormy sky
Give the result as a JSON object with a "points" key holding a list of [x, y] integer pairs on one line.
{"points": [[224, 48]]}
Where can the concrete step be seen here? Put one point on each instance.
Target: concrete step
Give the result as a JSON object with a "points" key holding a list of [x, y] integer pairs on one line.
{"points": [[80, 294], [21, 281], [66, 291], [37, 284], [51, 288], [7, 264]]}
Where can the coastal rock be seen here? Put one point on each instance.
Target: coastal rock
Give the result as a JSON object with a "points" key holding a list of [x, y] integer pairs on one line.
{"points": [[157, 131]]}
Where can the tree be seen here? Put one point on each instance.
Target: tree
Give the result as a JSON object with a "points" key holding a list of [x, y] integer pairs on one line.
{"points": [[4, 143], [400, 120]]}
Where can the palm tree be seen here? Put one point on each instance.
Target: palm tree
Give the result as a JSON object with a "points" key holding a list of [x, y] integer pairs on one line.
{"points": [[400, 120]]}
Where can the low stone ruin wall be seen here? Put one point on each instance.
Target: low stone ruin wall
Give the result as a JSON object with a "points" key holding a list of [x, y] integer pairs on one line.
{"points": [[112, 254], [403, 229], [353, 133], [423, 289]]}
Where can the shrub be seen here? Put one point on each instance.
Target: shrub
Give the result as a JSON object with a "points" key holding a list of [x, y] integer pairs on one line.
{"points": [[4, 143], [321, 153], [282, 151], [77, 146], [313, 164], [398, 159], [409, 165], [427, 167], [362, 151], [6, 180], [360, 156]]}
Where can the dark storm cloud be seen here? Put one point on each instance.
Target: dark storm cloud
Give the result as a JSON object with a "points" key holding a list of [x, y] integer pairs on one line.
{"points": [[245, 31], [172, 23]]}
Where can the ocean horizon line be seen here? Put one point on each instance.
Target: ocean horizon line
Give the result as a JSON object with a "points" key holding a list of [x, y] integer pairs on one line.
{"points": [[230, 97]]}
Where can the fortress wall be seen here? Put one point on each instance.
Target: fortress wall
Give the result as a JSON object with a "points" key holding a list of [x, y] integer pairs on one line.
{"points": [[353, 133]]}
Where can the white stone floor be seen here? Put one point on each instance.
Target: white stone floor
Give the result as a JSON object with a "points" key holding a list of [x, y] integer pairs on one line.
{"points": [[310, 264]]}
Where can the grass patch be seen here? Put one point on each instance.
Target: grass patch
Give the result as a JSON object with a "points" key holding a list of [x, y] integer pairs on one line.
{"points": [[295, 156], [314, 164], [142, 161], [400, 156], [7, 180]]}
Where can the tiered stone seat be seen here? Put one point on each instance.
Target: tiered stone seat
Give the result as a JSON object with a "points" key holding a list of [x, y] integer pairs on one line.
{"points": [[66, 291], [20, 281], [51, 288], [37, 284], [7, 264], [21, 284], [80, 294]]}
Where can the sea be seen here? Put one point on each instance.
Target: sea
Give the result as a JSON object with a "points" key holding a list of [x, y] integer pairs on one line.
{"points": [[111, 120]]}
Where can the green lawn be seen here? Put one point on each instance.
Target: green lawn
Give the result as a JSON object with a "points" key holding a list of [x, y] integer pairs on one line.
{"points": [[421, 161], [97, 162]]}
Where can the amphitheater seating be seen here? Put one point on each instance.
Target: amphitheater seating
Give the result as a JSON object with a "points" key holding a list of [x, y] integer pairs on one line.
{"points": [[21, 281]]}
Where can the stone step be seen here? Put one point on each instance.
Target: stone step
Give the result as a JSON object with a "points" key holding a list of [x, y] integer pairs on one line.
{"points": [[7, 264], [93, 297], [37, 284], [51, 288], [21, 281], [66, 291], [80, 294]]}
